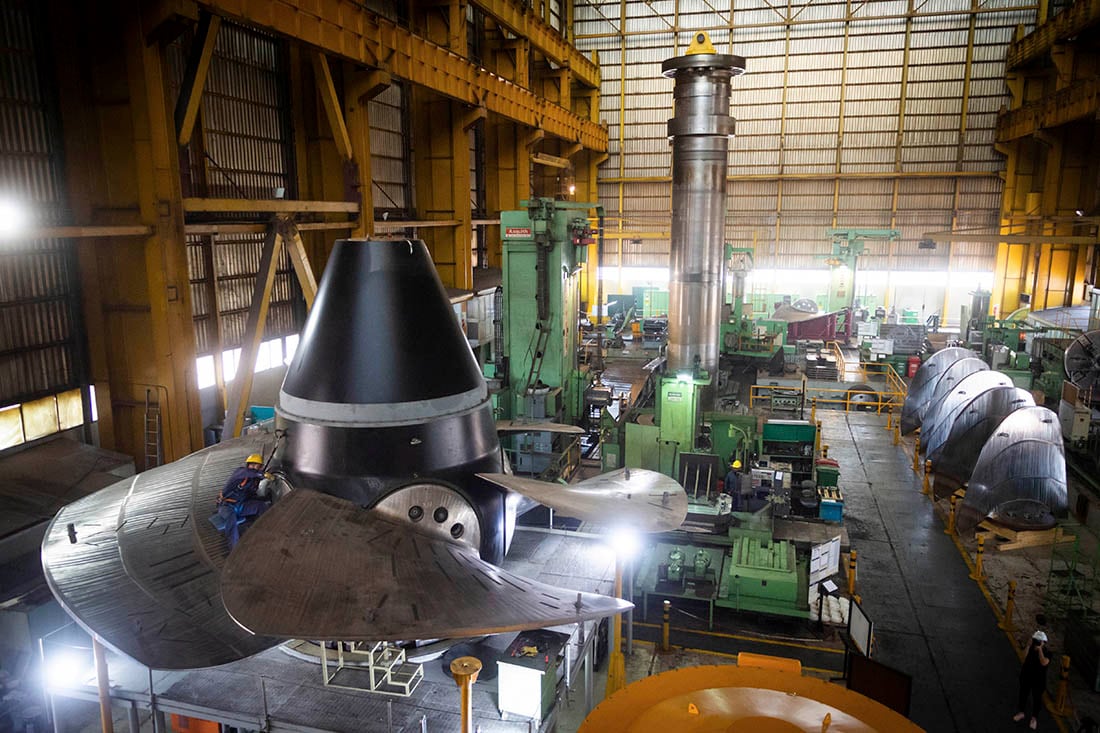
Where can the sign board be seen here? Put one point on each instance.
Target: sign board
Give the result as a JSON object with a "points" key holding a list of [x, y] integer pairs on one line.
{"points": [[675, 396], [860, 629], [882, 346], [824, 560], [517, 232], [867, 328]]}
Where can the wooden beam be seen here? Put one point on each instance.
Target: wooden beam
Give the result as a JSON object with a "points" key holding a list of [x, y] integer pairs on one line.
{"points": [[241, 388], [551, 161], [292, 240], [194, 77], [392, 226], [269, 206], [84, 232], [318, 226], [331, 102]]}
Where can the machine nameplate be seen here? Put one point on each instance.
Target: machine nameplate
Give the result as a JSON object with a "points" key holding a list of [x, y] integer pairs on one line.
{"points": [[675, 396], [517, 232]]}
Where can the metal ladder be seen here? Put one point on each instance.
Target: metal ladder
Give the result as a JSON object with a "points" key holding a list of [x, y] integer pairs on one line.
{"points": [[536, 359], [152, 431]]}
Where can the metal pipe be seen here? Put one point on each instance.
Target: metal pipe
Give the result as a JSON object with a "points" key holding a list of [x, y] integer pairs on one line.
{"points": [[699, 132], [106, 719]]}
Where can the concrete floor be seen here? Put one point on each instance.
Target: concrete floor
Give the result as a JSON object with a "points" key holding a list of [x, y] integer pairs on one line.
{"points": [[931, 620]]}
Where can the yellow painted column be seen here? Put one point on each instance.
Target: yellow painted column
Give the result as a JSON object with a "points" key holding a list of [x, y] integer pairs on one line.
{"points": [[507, 176], [442, 163], [122, 165], [359, 88]]}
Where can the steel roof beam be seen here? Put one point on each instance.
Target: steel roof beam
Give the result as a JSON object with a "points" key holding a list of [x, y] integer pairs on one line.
{"points": [[348, 30]]}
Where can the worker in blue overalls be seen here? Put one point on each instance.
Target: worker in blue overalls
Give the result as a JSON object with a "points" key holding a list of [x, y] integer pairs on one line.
{"points": [[732, 483], [241, 501]]}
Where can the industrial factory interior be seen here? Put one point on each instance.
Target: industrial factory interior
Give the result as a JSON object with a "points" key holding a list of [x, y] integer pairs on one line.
{"points": [[633, 366]]}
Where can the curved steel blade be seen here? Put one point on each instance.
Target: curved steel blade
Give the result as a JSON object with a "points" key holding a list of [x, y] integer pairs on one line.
{"points": [[947, 382], [643, 500], [1022, 460], [954, 460], [319, 567], [143, 571], [941, 415], [924, 384], [519, 426]]}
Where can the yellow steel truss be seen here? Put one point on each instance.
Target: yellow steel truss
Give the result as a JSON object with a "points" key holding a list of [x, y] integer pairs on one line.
{"points": [[349, 30]]}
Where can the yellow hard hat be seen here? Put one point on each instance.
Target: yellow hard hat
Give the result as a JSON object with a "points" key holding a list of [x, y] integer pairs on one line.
{"points": [[736, 464], [254, 458]]}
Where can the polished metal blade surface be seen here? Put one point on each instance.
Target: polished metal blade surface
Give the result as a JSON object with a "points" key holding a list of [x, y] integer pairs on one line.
{"points": [[520, 426], [1023, 460], [924, 383], [319, 567], [643, 500], [142, 574], [953, 461], [941, 415], [950, 378]]}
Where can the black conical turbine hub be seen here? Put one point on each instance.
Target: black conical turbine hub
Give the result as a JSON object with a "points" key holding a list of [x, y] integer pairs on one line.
{"points": [[384, 390]]}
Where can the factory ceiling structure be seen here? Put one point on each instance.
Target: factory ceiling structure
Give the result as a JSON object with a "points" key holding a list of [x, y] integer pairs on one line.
{"points": [[178, 161]]}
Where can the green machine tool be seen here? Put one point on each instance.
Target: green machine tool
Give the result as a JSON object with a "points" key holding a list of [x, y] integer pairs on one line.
{"points": [[742, 335], [848, 246], [544, 249]]}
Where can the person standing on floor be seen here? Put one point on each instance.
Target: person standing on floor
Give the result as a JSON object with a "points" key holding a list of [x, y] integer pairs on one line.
{"points": [[1033, 679]]}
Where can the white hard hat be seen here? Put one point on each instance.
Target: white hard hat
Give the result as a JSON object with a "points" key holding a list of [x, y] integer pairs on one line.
{"points": [[1039, 636]]}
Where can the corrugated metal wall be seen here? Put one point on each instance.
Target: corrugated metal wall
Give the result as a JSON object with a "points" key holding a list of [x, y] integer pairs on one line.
{"points": [[245, 149], [242, 149], [390, 161], [40, 322], [234, 260], [871, 115]]}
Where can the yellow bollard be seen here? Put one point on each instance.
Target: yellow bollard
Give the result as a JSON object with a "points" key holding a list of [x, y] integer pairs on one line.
{"points": [[813, 410], [951, 517], [977, 574], [664, 627], [916, 453], [1061, 701], [817, 438], [889, 417], [927, 488], [852, 573], [897, 433], [1010, 609], [465, 671], [824, 451]]}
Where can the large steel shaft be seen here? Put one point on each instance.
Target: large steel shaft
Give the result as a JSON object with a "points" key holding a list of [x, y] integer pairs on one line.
{"points": [[699, 133]]}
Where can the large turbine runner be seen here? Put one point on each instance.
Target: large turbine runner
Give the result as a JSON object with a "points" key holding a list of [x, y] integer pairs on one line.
{"points": [[394, 504]]}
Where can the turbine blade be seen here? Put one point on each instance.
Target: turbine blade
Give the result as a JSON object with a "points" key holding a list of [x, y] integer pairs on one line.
{"points": [[319, 567], [644, 500]]}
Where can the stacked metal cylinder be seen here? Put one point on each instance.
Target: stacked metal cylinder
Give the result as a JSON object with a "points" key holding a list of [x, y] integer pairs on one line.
{"points": [[699, 132], [979, 429]]}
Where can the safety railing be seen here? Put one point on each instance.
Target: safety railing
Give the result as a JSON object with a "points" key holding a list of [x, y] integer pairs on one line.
{"points": [[849, 399]]}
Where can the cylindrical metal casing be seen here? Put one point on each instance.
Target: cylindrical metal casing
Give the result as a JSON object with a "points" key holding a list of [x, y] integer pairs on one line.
{"points": [[699, 133]]}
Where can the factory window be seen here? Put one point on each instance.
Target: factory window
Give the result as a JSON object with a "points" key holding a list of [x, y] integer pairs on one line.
{"points": [[204, 371], [40, 418], [273, 354]]}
